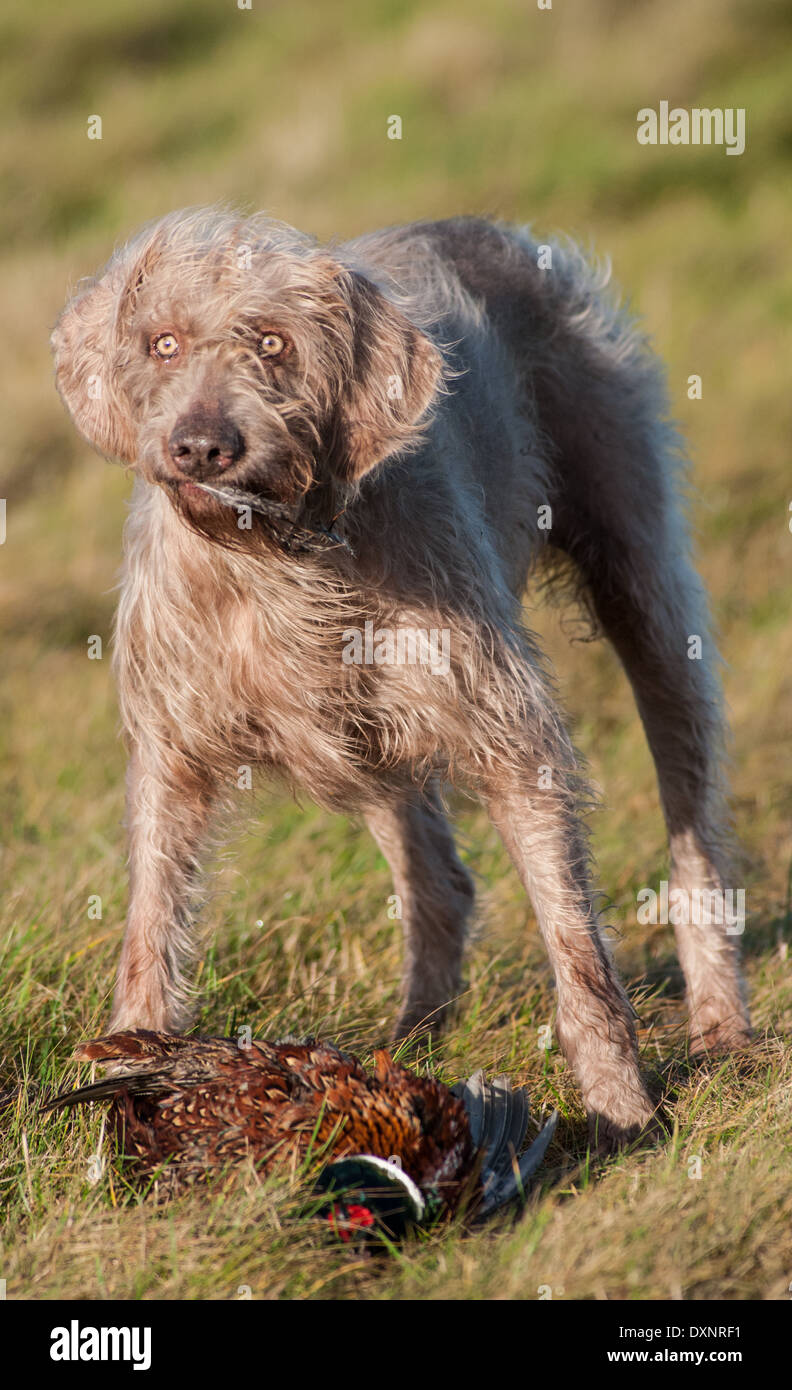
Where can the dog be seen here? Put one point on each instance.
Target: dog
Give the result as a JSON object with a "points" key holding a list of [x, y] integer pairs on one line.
{"points": [[397, 435]]}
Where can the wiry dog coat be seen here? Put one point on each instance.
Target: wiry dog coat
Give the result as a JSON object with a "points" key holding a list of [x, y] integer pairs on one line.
{"points": [[428, 411]]}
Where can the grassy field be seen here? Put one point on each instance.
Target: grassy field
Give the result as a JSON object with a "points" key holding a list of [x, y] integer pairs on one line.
{"points": [[524, 114]]}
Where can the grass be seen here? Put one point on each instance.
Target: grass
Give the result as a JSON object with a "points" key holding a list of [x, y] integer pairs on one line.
{"points": [[529, 116]]}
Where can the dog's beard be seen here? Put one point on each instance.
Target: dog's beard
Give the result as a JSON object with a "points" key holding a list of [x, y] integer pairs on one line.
{"points": [[217, 502], [229, 514], [223, 513]]}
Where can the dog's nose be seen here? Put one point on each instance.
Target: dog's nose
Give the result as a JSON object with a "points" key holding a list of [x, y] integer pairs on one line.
{"points": [[205, 443]]}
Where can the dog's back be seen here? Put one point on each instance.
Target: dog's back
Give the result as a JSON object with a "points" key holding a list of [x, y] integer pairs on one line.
{"points": [[557, 413]]}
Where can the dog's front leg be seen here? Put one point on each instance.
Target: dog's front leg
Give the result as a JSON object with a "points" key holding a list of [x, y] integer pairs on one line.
{"points": [[168, 806], [546, 840]]}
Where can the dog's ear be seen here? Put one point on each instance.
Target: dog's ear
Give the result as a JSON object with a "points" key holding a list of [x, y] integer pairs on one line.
{"points": [[88, 343], [394, 376], [83, 343]]}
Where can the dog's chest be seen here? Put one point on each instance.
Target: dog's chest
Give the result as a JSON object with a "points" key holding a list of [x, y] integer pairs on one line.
{"points": [[278, 666], [250, 678], [277, 670]]}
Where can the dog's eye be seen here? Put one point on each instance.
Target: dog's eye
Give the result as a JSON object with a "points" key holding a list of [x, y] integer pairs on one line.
{"points": [[164, 345], [271, 345]]}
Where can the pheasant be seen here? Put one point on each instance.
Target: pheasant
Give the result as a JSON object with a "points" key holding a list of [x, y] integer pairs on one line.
{"points": [[404, 1148]]}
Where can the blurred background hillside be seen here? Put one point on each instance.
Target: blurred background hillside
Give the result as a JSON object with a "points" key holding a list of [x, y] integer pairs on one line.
{"points": [[524, 114]]}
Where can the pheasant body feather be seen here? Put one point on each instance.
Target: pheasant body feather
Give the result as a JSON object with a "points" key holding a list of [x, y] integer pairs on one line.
{"points": [[201, 1105]]}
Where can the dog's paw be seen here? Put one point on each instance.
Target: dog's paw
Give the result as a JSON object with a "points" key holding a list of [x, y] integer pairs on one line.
{"points": [[719, 1039], [609, 1136], [719, 1025], [419, 1022], [623, 1117]]}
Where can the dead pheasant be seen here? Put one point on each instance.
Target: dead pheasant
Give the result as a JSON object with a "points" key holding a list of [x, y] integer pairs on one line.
{"points": [[404, 1147]]}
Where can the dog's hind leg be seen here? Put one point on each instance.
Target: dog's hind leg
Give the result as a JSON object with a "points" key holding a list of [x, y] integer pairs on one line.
{"points": [[617, 513], [435, 897], [619, 516], [651, 605]]}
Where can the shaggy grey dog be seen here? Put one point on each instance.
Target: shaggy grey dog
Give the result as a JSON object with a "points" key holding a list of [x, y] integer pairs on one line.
{"points": [[349, 459]]}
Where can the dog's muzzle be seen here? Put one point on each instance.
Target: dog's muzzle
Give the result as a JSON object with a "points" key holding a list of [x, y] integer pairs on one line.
{"points": [[205, 443]]}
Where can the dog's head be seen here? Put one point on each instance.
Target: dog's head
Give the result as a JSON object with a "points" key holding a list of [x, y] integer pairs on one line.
{"points": [[232, 351]]}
